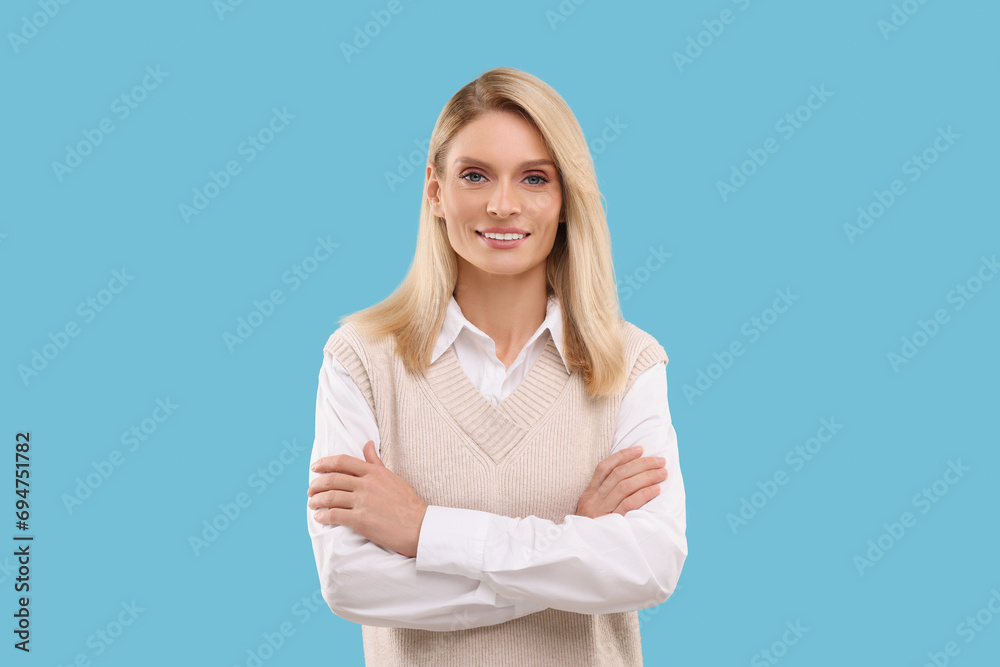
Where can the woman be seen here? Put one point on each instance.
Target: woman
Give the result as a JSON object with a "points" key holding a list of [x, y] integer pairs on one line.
{"points": [[477, 496]]}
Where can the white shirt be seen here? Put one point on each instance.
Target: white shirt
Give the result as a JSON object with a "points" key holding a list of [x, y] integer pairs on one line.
{"points": [[475, 568]]}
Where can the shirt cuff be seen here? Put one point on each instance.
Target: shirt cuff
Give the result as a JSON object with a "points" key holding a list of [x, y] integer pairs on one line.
{"points": [[452, 541]]}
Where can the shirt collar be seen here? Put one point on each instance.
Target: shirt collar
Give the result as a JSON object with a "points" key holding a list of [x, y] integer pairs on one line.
{"points": [[455, 321]]}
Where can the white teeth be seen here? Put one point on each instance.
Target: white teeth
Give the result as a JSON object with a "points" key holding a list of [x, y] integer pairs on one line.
{"points": [[503, 237]]}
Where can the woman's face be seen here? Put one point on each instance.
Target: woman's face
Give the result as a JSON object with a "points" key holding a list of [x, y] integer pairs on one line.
{"points": [[498, 177]]}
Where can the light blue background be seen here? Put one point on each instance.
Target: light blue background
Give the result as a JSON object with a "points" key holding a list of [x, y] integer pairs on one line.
{"points": [[324, 176]]}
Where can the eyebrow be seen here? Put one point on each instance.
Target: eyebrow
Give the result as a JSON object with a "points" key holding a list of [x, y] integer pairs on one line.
{"points": [[524, 165]]}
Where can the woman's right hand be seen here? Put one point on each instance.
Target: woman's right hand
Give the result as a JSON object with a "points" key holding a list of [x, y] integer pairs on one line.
{"points": [[621, 483]]}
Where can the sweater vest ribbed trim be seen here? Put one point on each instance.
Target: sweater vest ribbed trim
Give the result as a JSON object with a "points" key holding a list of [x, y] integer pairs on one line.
{"points": [[497, 429]]}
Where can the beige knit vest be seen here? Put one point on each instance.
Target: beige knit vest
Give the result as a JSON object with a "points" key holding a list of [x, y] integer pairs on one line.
{"points": [[533, 454]]}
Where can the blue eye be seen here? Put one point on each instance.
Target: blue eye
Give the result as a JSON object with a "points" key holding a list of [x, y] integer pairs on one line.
{"points": [[541, 179]]}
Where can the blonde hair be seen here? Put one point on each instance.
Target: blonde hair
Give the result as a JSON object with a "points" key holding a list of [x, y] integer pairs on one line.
{"points": [[579, 269]]}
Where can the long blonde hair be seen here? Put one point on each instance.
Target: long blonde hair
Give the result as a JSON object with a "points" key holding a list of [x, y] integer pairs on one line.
{"points": [[579, 270]]}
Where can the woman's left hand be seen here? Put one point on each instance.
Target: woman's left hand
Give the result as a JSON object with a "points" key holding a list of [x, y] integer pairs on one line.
{"points": [[368, 497]]}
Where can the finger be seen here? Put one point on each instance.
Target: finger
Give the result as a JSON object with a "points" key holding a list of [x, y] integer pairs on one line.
{"points": [[332, 517], [332, 499], [370, 455], [332, 481], [626, 470], [630, 485], [608, 465], [638, 499], [343, 463]]}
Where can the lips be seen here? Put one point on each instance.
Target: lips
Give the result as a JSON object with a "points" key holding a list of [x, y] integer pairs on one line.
{"points": [[501, 230], [483, 234], [503, 244]]}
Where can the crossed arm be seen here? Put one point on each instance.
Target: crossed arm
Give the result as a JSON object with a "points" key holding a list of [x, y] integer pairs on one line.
{"points": [[387, 558]]}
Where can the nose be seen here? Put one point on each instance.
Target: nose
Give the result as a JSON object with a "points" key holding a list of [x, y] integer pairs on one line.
{"points": [[503, 202]]}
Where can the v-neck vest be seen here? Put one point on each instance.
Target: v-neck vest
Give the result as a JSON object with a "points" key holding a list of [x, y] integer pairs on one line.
{"points": [[534, 453]]}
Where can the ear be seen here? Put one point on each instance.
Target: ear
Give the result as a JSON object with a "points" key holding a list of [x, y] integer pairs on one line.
{"points": [[434, 191]]}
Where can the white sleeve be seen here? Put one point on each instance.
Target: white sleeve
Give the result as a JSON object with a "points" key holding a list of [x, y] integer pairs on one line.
{"points": [[608, 564], [366, 583]]}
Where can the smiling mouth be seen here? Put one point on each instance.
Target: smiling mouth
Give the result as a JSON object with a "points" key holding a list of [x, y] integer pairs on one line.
{"points": [[525, 235]]}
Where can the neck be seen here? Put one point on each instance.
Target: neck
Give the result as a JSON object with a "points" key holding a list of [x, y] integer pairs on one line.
{"points": [[507, 308]]}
